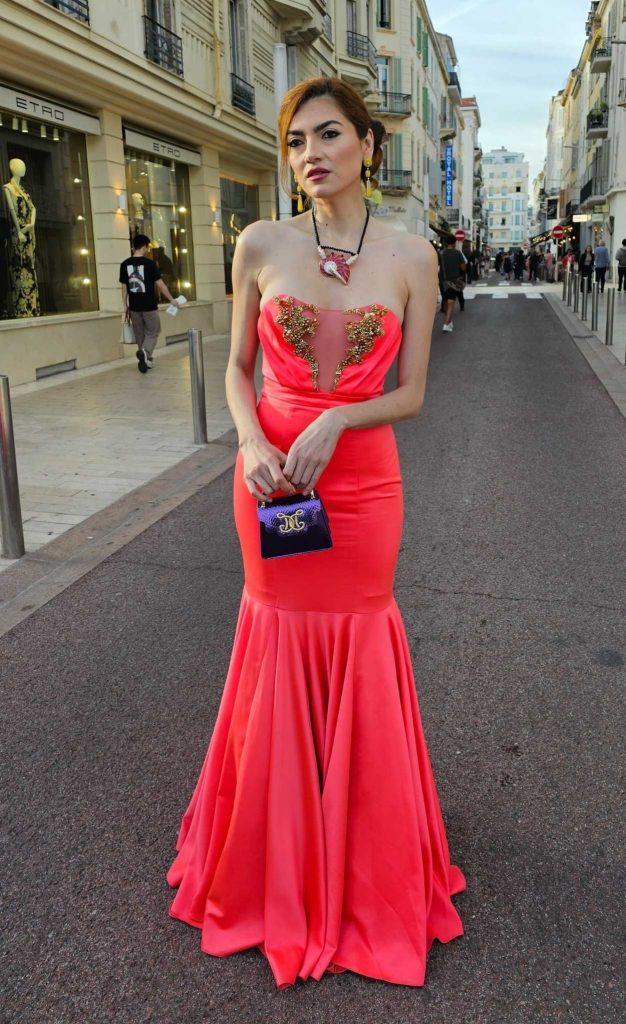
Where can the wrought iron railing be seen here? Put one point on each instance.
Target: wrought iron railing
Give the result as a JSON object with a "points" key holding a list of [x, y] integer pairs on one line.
{"points": [[395, 102], [362, 48], [595, 186], [163, 47], [602, 50], [389, 178], [454, 80], [76, 8], [242, 94], [597, 119]]}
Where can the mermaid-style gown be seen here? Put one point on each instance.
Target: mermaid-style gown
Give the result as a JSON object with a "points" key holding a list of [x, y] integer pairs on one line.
{"points": [[315, 831]]}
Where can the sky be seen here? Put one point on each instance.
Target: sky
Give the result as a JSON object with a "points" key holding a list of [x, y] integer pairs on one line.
{"points": [[513, 56]]}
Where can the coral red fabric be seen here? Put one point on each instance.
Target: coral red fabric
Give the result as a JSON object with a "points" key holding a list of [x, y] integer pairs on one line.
{"points": [[315, 831]]}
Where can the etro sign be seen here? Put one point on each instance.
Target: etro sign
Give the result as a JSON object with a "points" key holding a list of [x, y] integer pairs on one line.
{"points": [[24, 104], [166, 148]]}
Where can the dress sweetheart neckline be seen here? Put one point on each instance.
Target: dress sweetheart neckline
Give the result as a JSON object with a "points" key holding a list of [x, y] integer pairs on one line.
{"points": [[329, 309]]}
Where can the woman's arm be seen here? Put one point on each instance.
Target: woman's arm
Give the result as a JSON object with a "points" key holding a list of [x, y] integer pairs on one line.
{"points": [[13, 213], [312, 450], [263, 462]]}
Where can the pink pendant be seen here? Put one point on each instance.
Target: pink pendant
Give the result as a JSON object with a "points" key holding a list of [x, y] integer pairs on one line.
{"points": [[335, 265]]}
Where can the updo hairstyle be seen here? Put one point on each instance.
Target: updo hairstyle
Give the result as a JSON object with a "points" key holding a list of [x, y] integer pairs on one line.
{"points": [[351, 105]]}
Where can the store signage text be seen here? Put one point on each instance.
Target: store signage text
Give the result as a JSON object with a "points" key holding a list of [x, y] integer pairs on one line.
{"points": [[25, 105], [161, 147], [449, 175]]}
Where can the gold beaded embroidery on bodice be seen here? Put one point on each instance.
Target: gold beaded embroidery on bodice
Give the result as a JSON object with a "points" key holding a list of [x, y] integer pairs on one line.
{"points": [[300, 322]]}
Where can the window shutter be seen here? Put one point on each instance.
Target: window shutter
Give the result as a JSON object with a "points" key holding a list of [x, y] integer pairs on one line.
{"points": [[418, 34], [395, 77], [425, 49], [425, 105]]}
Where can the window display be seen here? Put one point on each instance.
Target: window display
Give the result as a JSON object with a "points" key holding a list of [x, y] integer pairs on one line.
{"points": [[159, 207], [240, 206], [47, 261]]}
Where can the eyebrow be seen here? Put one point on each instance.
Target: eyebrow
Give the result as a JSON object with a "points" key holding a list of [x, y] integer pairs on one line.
{"points": [[319, 127]]}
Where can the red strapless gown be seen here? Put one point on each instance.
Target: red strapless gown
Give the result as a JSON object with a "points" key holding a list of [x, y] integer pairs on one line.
{"points": [[315, 831]]}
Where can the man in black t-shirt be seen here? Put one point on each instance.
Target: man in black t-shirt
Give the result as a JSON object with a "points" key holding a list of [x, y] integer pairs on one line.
{"points": [[452, 264], [139, 276]]}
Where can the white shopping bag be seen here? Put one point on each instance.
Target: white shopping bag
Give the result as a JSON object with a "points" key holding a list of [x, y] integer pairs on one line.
{"points": [[128, 334]]}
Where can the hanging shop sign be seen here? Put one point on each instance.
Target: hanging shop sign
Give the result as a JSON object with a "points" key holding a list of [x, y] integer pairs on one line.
{"points": [[449, 169], [39, 108], [167, 149]]}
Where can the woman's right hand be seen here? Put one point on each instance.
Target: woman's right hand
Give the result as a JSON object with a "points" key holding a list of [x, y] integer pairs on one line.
{"points": [[263, 468]]}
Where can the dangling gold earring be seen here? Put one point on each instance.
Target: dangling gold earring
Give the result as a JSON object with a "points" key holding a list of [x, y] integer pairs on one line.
{"points": [[368, 185], [300, 203]]}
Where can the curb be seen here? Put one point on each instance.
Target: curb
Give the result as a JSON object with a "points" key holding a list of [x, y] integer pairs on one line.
{"points": [[39, 577], [610, 373]]}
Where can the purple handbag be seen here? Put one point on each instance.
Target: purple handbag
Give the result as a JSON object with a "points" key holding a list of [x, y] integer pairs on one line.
{"points": [[293, 525]]}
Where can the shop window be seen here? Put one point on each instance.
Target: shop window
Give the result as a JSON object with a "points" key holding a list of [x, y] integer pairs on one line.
{"points": [[240, 206], [47, 262], [159, 207]]}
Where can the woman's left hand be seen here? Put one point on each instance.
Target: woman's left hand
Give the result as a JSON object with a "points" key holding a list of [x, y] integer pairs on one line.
{"points": [[313, 449]]}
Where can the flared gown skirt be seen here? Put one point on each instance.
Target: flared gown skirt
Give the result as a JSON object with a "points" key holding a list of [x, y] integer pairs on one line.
{"points": [[315, 831]]}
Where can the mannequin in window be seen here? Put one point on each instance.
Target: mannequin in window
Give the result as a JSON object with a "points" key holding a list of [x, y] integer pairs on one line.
{"points": [[139, 211], [22, 214]]}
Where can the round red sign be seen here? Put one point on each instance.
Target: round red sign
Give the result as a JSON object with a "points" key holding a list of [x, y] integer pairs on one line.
{"points": [[558, 231], [459, 235]]}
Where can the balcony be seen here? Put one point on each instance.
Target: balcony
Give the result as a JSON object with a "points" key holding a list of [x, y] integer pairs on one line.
{"points": [[454, 87], [601, 57], [362, 48], [448, 127], [593, 191], [396, 104], [242, 94], [162, 46], [78, 9], [452, 215], [621, 96], [598, 124], [394, 181]]}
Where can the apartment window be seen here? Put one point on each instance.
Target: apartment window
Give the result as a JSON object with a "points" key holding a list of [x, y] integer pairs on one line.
{"points": [[383, 13], [162, 45], [503, 221], [76, 8], [238, 38], [351, 15], [383, 73]]}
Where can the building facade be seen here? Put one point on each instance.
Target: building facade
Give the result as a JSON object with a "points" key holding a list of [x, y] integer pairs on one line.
{"points": [[505, 197], [593, 176], [159, 117]]}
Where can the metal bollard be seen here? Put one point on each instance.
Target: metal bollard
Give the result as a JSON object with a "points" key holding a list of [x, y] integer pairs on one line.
{"points": [[576, 288], [585, 300], [570, 285], [196, 367], [610, 315], [594, 306], [10, 507], [565, 278]]}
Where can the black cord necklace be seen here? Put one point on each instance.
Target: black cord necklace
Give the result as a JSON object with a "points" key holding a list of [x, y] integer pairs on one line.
{"points": [[334, 263]]}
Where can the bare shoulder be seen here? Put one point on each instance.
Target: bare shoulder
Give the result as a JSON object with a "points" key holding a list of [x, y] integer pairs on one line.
{"points": [[419, 253]]}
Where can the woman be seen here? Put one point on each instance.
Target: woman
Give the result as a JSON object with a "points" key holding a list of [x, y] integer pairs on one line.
{"points": [[507, 265], [585, 265], [315, 831]]}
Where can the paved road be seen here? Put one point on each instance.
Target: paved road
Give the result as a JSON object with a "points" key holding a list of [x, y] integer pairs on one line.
{"points": [[512, 585]]}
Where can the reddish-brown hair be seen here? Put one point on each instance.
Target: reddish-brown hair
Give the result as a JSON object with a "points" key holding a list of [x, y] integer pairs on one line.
{"points": [[350, 104]]}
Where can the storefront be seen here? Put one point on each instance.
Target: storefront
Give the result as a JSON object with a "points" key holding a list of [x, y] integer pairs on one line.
{"points": [[159, 205], [239, 207], [47, 260]]}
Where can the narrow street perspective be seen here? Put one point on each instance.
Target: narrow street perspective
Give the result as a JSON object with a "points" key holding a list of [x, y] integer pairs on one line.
{"points": [[312, 511]]}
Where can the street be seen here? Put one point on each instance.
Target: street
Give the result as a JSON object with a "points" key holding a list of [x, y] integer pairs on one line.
{"points": [[511, 581]]}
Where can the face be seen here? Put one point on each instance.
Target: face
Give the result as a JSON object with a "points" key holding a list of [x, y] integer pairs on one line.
{"points": [[325, 152]]}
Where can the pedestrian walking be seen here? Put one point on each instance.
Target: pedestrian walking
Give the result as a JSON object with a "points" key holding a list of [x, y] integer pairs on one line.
{"points": [[452, 266], [620, 256], [548, 261], [585, 266], [518, 265], [315, 831], [533, 266], [507, 265], [140, 278], [601, 262], [498, 261]]}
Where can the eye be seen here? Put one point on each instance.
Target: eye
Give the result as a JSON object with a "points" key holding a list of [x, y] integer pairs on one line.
{"points": [[330, 133], [293, 143]]}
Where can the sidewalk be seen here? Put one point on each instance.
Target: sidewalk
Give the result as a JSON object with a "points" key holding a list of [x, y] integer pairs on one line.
{"points": [[85, 440]]}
